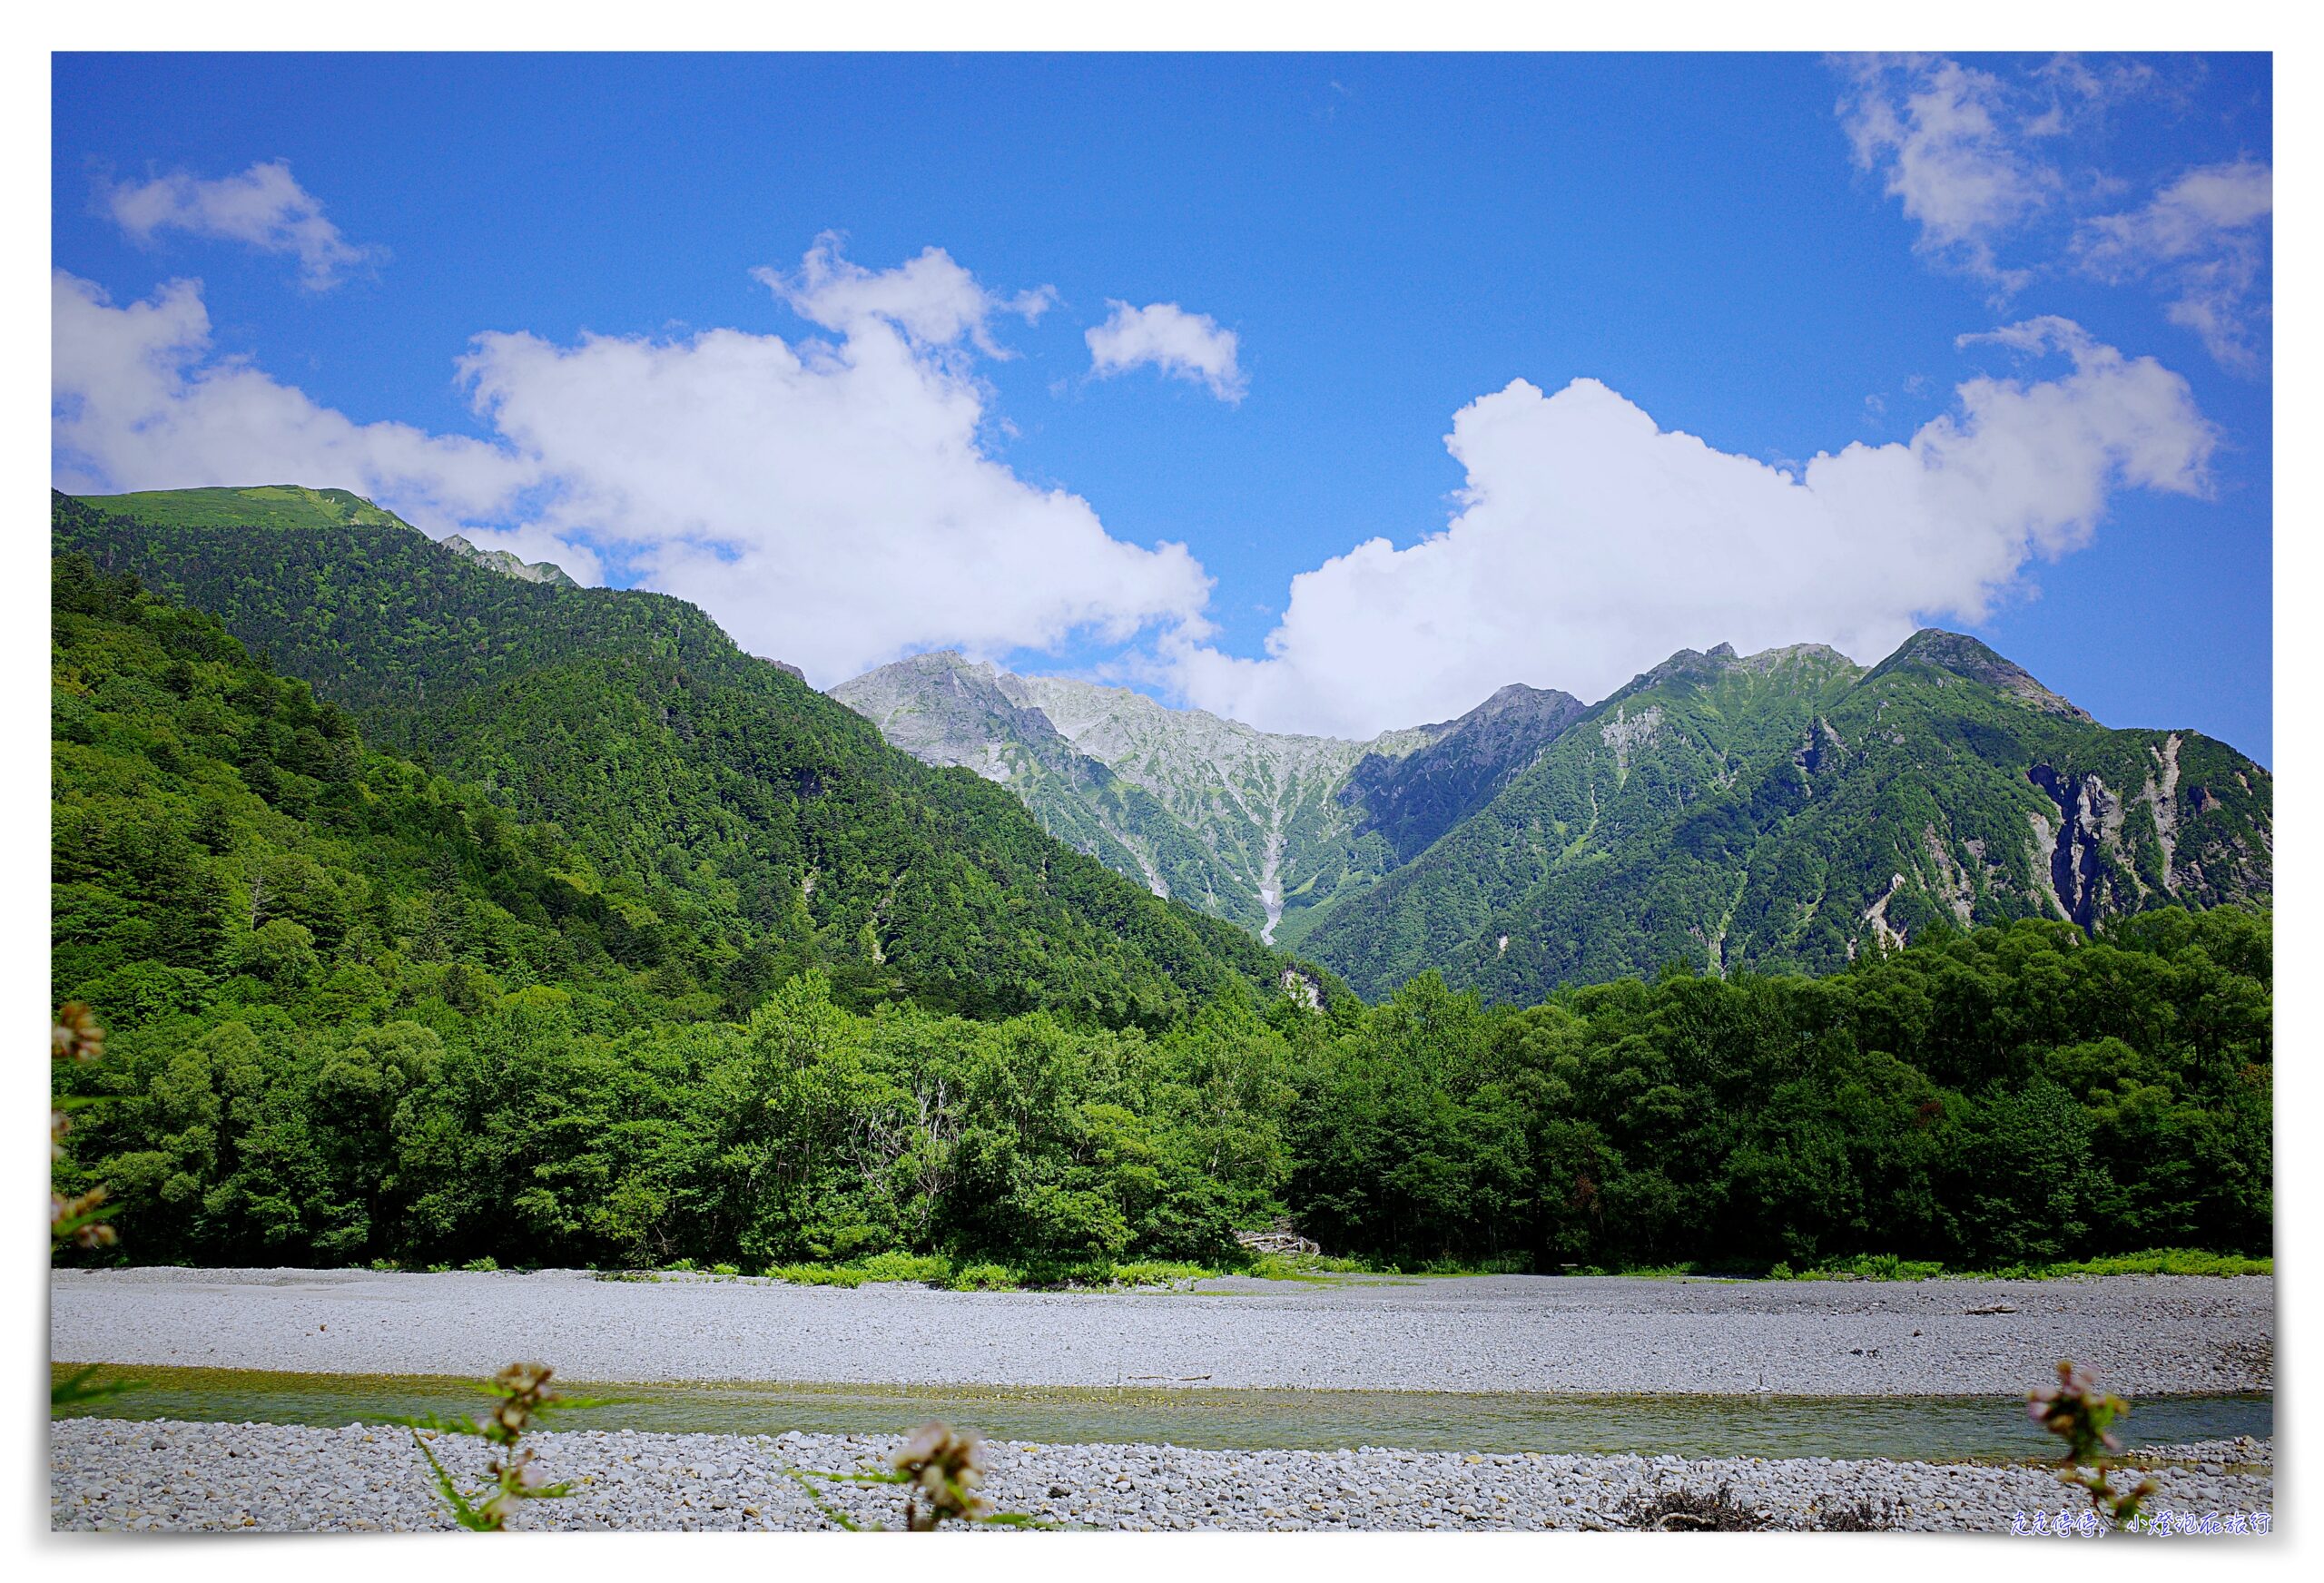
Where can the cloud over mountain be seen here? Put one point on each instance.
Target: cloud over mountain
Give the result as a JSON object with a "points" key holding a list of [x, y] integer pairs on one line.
{"points": [[831, 501], [141, 398], [1591, 543]]}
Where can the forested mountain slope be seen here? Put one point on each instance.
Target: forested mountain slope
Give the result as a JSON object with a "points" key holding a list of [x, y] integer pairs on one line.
{"points": [[1267, 829], [771, 826], [220, 834], [1244, 824], [942, 710], [357, 1011], [1789, 809], [1414, 800]]}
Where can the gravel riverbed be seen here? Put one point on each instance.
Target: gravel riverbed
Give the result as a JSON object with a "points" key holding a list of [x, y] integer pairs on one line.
{"points": [[2142, 1334], [180, 1477]]}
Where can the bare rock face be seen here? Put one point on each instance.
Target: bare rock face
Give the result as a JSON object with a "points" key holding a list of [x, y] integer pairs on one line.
{"points": [[944, 709], [507, 563], [941, 709]]}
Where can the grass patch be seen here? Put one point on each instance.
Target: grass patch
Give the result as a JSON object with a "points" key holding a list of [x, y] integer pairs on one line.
{"points": [[2153, 1262], [816, 1275], [1302, 1267], [937, 1270], [1159, 1272], [1864, 1267], [983, 1278]]}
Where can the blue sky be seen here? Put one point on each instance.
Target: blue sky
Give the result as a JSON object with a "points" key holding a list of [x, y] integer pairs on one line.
{"points": [[1775, 255]]}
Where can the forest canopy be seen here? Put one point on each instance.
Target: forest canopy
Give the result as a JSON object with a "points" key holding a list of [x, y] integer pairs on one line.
{"points": [[360, 1010]]}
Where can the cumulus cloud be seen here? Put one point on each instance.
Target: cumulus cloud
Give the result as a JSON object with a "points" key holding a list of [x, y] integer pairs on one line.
{"points": [[139, 400], [1593, 543], [2204, 238], [1165, 336], [931, 300], [1940, 136], [830, 501], [1972, 158], [263, 207]]}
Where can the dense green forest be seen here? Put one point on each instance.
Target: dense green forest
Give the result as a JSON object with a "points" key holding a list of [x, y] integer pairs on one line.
{"points": [[360, 1011]]}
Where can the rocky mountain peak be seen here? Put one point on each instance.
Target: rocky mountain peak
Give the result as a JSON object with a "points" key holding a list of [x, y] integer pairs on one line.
{"points": [[1818, 655], [1959, 654], [1411, 799]]}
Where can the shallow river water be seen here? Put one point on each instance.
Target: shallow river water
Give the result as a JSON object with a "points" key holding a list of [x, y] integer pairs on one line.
{"points": [[1919, 1429]]}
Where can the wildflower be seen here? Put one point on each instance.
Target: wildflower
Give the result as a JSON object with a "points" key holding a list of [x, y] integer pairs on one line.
{"points": [[525, 1397], [943, 1466], [76, 1035], [71, 1217], [2078, 1412]]}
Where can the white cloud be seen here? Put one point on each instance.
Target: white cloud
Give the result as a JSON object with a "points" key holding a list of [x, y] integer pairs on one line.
{"points": [[834, 503], [1940, 136], [932, 300], [830, 502], [1969, 155], [1189, 346], [140, 400], [2202, 237], [1592, 544], [264, 207]]}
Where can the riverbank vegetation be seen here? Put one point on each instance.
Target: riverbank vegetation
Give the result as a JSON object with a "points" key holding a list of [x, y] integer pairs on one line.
{"points": [[356, 1012]]}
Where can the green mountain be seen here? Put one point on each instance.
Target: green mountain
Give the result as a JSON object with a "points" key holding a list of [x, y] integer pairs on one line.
{"points": [[1790, 810], [1413, 800], [1250, 826], [220, 835], [942, 710], [741, 824], [266, 505]]}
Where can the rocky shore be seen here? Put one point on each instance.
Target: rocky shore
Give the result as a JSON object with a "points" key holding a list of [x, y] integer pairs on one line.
{"points": [[180, 1477], [2143, 1334]]}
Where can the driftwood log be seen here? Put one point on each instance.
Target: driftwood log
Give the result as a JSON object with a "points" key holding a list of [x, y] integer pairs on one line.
{"points": [[1282, 1240]]}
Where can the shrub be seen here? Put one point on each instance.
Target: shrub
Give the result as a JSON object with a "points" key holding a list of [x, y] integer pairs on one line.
{"points": [[932, 1268], [1691, 1511], [525, 1401], [1158, 1272], [2079, 1413], [1299, 1266], [815, 1275], [983, 1278]]}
